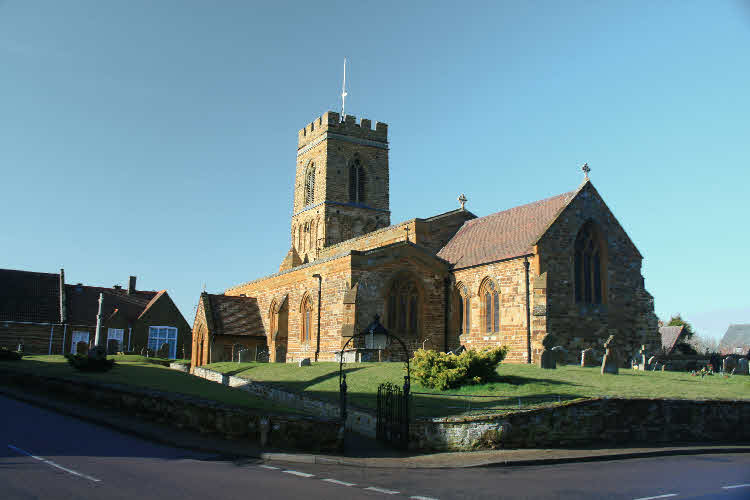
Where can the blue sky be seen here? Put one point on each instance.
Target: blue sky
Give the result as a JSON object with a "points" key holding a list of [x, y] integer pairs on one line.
{"points": [[158, 138]]}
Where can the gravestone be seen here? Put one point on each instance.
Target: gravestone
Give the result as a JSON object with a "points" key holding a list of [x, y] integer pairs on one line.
{"points": [[610, 362], [729, 364], [651, 361], [304, 362], [163, 351], [547, 359], [642, 358], [561, 354], [82, 347], [588, 357], [742, 367]]}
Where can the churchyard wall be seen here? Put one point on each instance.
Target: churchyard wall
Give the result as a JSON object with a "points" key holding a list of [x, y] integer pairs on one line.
{"points": [[186, 412], [596, 421], [627, 310]]}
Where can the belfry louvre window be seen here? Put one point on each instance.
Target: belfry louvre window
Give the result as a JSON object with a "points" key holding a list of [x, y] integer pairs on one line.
{"points": [[589, 265], [403, 307], [310, 184], [490, 306], [306, 310], [356, 182]]}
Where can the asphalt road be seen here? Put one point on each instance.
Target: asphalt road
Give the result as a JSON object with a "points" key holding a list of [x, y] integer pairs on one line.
{"points": [[47, 455]]}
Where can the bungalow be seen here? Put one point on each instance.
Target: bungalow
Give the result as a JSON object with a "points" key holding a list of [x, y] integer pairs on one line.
{"points": [[47, 316]]}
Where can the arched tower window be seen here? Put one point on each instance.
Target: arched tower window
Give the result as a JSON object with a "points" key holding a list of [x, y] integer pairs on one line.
{"points": [[490, 306], [356, 182], [403, 303], [309, 184], [589, 265], [306, 313]]}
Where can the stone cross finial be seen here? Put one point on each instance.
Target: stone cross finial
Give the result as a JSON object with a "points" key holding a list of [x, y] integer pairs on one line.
{"points": [[407, 229], [586, 169], [462, 200]]}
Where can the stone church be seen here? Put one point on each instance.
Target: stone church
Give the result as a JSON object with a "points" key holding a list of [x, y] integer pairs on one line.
{"points": [[561, 266]]}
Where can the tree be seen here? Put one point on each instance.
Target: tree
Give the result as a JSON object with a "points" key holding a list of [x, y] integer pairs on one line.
{"points": [[677, 320]]}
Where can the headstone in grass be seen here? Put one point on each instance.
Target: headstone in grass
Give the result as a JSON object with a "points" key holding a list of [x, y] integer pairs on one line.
{"points": [[547, 360], [561, 354], [304, 362], [742, 368], [651, 361], [642, 358], [163, 351], [588, 357], [610, 363]]}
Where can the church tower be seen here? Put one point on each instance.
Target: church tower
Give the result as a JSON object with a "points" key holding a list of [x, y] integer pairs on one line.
{"points": [[341, 183]]}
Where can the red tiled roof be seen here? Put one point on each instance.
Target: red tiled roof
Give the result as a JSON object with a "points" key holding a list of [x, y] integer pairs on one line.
{"points": [[29, 296], [670, 335], [233, 315], [503, 235]]}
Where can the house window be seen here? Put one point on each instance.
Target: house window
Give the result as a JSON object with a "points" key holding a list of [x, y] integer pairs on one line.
{"points": [[115, 337], [310, 184], [306, 310], [403, 307], [490, 306], [79, 339], [158, 336], [589, 265], [356, 182]]}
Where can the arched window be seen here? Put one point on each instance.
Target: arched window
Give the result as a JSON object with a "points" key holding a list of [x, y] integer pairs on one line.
{"points": [[490, 296], [356, 182], [306, 312], [589, 265], [464, 310], [403, 303], [310, 184]]}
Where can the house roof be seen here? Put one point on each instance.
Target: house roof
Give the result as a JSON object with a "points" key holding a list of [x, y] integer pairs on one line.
{"points": [[736, 336], [29, 296], [82, 303], [670, 335], [504, 235], [235, 315]]}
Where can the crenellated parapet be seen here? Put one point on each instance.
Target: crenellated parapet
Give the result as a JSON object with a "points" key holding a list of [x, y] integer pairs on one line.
{"points": [[331, 122]]}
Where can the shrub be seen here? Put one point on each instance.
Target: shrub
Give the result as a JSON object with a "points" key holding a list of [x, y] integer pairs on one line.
{"points": [[441, 371], [8, 355], [85, 363]]}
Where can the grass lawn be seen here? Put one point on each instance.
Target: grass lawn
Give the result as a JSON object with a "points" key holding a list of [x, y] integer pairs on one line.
{"points": [[533, 385], [145, 374]]}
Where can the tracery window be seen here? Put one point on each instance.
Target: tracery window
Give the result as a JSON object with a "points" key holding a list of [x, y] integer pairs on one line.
{"points": [[310, 184], [589, 265], [490, 296], [403, 307], [356, 182], [306, 311]]}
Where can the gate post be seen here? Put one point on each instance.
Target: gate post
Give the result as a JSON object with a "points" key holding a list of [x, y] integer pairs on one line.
{"points": [[342, 397], [405, 421]]}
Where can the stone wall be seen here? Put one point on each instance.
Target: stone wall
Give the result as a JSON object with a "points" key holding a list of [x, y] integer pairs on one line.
{"points": [[595, 421], [186, 412], [357, 420]]}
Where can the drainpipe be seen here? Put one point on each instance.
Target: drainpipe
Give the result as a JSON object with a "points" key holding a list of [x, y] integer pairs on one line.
{"points": [[446, 310], [320, 289], [528, 311], [51, 332]]}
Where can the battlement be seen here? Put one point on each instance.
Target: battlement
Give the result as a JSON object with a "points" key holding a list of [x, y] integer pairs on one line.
{"points": [[331, 122]]}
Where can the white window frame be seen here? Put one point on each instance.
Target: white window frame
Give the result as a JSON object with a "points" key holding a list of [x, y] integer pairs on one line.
{"points": [[119, 335], [73, 341], [170, 329]]}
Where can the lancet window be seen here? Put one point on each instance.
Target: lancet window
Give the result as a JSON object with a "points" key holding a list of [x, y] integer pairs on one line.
{"points": [[589, 265]]}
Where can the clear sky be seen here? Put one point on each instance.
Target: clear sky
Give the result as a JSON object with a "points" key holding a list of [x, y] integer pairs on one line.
{"points": [[158, 138]]}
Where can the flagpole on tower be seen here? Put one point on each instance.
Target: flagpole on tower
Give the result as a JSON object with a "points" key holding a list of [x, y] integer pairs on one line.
{"points": [[343, 94]]}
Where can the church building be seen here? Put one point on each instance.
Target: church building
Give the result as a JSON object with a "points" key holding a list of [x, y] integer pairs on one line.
{"points": [[562, 266]]}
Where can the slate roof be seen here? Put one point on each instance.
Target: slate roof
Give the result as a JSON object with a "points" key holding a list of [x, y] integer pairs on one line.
{"points": [[503, 235], [736, 336], [82, 303], [29, 296], [235, 315], [670, 335]]}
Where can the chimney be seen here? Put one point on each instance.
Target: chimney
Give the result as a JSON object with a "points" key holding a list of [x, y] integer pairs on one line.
{"points": [[131, 285], [63, 312]]}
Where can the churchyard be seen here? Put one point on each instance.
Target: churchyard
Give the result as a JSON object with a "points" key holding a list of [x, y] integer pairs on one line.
{"points": [[515, 385]]}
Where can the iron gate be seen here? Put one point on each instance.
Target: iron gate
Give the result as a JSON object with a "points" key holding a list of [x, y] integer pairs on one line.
{"points": [[393, 414]]}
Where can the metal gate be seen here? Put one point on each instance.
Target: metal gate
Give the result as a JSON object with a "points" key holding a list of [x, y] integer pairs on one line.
{"points": [[393, 414]]}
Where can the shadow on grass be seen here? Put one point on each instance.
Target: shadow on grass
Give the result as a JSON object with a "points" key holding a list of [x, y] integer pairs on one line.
{"points": [[518, 380]]}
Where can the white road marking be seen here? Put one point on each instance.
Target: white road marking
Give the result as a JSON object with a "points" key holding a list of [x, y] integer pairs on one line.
{"points": [[382, 490], [298, 473], [736, 486], [53, 464], [270, 467], [658, 496], [342, 483], [422, 498]]}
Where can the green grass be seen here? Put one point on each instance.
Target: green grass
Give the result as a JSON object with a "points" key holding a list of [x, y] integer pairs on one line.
{"points": [[138, 358], [145, 374], [533, 385]]}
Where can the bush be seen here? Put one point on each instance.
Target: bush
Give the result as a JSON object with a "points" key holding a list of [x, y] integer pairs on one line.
{"points": [[84, 363], [439, 370], [8, 355]]}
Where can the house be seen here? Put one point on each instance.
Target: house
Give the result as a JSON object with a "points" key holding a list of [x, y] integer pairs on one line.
{"points": [[671, 336], [49, 316], [736, 340], [561, 266]]}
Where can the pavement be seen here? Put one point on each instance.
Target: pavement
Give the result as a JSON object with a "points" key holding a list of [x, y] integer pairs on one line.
{"points": [[361, 452]]}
